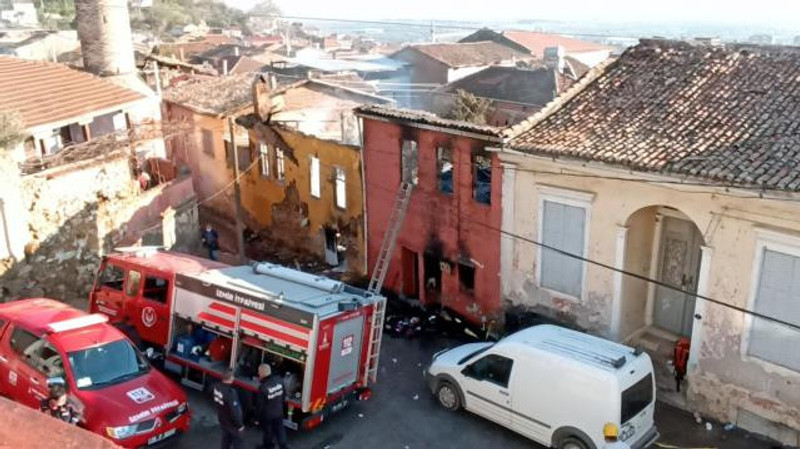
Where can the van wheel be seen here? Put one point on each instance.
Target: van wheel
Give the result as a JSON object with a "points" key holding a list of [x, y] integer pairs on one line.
{"points": [[447, 395], [572, 443]]}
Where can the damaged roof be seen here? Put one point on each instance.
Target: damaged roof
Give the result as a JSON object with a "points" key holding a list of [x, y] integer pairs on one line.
{"points": [[425, 118], [46, 92], [467, 54], [726, 113], [536, 42], [517, 85], [214, 96]]}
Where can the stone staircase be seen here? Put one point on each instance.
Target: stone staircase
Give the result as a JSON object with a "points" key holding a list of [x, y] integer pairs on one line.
{"points": [[659, 345]]}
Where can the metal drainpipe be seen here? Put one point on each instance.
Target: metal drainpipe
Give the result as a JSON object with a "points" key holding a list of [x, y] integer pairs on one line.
{"points": [[360, 122]]}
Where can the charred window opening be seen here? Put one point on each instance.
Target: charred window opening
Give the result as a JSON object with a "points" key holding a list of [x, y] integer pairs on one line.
{"points": [[335, 251], [482, 177], [409, 162], [432, 265], [444, 169], [466, 276]]}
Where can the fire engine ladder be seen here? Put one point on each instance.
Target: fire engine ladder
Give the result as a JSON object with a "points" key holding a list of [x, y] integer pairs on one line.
{"points": [[379, 275]]}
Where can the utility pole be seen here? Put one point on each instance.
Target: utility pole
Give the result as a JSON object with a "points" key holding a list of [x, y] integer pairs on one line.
{"points": [[237, 193]]}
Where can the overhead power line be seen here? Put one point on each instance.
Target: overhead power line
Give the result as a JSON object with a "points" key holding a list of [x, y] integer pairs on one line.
{"points": [[606, 266]]}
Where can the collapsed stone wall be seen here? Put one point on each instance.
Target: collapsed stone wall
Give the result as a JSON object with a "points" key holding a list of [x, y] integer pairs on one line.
{"points": [[77, 214]]}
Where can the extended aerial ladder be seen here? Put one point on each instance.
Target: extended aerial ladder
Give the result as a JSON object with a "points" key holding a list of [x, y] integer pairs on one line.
{"points": [[379, 275]]}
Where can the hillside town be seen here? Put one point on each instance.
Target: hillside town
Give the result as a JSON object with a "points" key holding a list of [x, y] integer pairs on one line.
{"points": [[227, 227]]}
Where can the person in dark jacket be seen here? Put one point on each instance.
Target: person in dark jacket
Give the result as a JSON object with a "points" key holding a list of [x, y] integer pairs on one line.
{"points": [[229, 412], [58, 406], [269, 408], [211, 241]]}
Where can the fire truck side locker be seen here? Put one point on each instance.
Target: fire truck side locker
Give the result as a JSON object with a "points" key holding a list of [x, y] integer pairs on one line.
{"points": [[311, 321]]}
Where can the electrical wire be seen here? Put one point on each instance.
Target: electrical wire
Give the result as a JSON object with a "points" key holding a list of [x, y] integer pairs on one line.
{"points": [[617, 270]]}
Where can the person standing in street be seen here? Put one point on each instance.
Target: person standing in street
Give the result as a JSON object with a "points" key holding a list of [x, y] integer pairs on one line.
{"points": [[211, 241], [611, 435], [269, 407], [229, 412], [58, 406]]}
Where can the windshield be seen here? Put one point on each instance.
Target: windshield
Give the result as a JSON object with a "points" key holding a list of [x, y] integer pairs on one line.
{"points": [[108, 364], [474, 353], [636, 398]]}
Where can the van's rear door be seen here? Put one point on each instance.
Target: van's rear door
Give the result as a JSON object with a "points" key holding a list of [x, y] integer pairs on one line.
{"points": [[345, 353], [637, 410]]}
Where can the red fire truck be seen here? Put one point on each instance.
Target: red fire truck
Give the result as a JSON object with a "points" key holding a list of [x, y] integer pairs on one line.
{"points": [[321, 335], [44, 341]]}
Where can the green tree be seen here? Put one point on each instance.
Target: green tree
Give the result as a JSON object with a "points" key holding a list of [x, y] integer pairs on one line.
{"points": [[469, 108]]}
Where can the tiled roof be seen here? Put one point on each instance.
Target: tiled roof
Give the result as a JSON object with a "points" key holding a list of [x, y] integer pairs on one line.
{"points": [[246, 64], [214, 96], [46, 92], [425, 118], [536, 42], [530, 86], [468, 54], [727, 114]]}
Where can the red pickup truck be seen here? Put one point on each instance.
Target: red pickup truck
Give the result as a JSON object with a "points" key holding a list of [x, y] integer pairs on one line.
{"points": [[121, 396]]}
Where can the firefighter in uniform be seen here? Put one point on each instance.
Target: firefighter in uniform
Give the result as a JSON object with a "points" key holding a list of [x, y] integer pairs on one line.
{"points": [[229, 412], [269, 406], [611, 435], [58, 406]]}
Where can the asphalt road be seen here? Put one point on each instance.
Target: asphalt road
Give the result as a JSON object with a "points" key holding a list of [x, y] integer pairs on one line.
{"points": [[402, 414]]}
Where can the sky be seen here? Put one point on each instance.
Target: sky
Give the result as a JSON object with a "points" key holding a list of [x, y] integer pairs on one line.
{"points": [[734, 12]]}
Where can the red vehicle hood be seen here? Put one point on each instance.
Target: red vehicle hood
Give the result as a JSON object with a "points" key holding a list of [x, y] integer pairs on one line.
{"points": [[140, 399]]}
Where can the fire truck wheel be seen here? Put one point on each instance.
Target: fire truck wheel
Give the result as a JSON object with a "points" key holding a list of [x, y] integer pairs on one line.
{"points": [[447, 395]]}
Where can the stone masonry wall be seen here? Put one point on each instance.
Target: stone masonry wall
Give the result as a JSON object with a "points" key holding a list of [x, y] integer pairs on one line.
{"points": [[79, 213]]}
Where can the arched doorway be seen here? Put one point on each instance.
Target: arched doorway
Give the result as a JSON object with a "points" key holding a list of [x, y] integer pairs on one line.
{"points": [[664, 244]]}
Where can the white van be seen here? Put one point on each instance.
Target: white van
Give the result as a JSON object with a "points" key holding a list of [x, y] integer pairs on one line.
{"points": [[553, 385]]}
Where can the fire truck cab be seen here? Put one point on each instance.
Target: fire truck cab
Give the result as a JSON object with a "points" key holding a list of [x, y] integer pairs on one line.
{"points": [[44, 341], [205, 317]]}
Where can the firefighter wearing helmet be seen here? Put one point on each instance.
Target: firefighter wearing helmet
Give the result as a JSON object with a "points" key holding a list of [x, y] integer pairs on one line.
{"points": [[611, 435]]}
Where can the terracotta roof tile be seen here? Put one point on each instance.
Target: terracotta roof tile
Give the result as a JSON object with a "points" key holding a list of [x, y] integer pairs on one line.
{"points": [[46, 92], [468, 54], [214, 95], [724, 113], [531, 86], [536, 42]]}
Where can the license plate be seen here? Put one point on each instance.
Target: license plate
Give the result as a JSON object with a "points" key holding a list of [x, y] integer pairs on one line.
{"points": [[161, 437]]}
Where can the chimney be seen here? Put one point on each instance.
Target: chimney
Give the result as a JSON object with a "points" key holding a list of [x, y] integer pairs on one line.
{"points": [[554, 58], [235, 51], [104, 29], [224, 66], [273, 82]]}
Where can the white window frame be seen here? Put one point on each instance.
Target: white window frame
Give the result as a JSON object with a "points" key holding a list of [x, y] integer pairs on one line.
{"points": [[315, 181], [263, 153], [340, 198], [280, 164], [772, 241], [570, 198]]}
